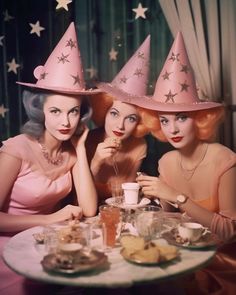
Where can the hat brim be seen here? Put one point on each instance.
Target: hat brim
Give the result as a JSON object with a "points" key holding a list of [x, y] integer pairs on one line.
{"points": [[149, 103], [117, 93], [90, 91]]}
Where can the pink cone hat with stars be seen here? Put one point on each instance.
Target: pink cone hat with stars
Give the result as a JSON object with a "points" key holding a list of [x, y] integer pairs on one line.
{"points": [[63, 70], [175, 89], [132, 80]]}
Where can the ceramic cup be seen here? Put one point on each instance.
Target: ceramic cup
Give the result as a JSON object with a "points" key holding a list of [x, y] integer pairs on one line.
{"points": [[131, 192], [191, 231]]}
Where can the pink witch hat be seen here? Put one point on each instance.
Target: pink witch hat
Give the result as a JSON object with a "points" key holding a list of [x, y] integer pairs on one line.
{"points": [[175, 89], [63, 70], [132, 79]]}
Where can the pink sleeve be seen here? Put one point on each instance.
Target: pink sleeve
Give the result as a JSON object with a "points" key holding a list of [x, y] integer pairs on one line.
{"points": [[224, 226]]}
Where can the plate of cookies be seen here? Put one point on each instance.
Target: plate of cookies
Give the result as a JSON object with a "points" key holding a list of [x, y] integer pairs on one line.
{"points": [[136, 250]]}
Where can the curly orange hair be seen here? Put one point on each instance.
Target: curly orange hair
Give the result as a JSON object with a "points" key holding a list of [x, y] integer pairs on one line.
{"points": [[102, 102], [206, 122]]}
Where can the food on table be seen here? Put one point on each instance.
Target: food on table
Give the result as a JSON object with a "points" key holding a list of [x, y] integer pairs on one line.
{"points": [[137, 249]]}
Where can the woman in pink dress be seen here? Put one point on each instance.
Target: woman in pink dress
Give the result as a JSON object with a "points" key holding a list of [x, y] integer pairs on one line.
{"points": [[40, 166], [116, 148], [199, 175]]}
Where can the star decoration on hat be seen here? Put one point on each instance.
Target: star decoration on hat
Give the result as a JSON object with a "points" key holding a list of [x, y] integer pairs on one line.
{"points": [[43, 76], [7, 16], [71, 43], [1, 38], [166, 75], [63, 58], [36, 28], [141, 55], [92, 72], [184, 86], [3, 110], [138, 72], [140, 11], [113, 54], [76, 79], [185, 69], [174, 56], [12, 66], [123, 79], [170, 96], [63, 4]]}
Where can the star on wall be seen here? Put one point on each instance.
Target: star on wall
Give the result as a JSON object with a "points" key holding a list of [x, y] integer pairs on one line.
{"points": [[113, 54], [140, 11], [12, 66], [92, 72], [3, 110], [63, 4], [170, 96], [7, 16], [36, 28], [1, 38]]}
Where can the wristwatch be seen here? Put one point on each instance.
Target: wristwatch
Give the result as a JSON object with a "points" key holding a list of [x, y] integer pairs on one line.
{"points": [[181, 199]]}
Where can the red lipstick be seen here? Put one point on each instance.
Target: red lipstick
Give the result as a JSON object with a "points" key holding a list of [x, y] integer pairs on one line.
{"points": [[119, 134], [177, 139], [64, 131]]}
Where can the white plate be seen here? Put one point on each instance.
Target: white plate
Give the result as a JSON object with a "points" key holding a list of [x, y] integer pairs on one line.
{"points": [[112, 201]]}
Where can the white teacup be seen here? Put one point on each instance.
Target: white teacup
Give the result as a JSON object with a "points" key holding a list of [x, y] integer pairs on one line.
{"points": [[131, 192], [191, 231]]}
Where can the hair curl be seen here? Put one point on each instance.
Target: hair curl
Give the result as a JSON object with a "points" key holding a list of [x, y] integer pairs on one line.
{"points": [[102, 102], [33, 104], [206, 122]]}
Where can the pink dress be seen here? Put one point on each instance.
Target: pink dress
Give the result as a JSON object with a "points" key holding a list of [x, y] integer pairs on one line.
{"points": [[38, 189], [133, 150], [219, 277]]}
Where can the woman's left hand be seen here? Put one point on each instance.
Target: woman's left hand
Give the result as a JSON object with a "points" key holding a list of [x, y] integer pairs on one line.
{"points": [[80, 141]]}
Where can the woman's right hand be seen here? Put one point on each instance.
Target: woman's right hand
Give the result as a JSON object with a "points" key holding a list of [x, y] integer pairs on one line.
{"points": [[107, 148], [66, 213]]}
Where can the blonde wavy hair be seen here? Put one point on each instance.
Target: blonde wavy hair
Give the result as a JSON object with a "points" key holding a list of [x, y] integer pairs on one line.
{"points": [[102, 102], [206, 122]]}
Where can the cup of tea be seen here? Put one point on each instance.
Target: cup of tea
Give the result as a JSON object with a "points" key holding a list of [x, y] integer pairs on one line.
{"points": [[131, 192], [191, 231], [110, 218]]}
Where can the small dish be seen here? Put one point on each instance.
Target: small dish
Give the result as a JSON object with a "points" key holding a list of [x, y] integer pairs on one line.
{"points": [[207, 240], [71, 264], [112, 201]]}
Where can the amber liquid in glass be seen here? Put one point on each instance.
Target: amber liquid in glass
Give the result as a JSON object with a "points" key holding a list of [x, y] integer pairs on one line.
{"points": [[110, 217]]}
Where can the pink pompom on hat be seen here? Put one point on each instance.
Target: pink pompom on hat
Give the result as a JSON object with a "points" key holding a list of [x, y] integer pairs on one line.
{"points": [[175, 89], [132, 80], [63, 70]]}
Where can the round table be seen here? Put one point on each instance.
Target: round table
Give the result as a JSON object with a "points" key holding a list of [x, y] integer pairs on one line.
{"points": [[21, 255]]}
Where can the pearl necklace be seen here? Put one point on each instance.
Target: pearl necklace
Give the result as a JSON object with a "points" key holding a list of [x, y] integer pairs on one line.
{"points": [[188, 173], [54, 161]]}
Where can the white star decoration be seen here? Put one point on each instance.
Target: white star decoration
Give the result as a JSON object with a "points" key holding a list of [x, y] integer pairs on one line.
{"points": [[92, 72], [36, 28], [13, 66], [140, 11], [63, 4], [1, 38], [113, 54], [3, 111], [7, 16]]}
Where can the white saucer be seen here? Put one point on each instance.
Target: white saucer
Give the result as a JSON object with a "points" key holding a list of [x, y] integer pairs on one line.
{"points": [[112, 201]]}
